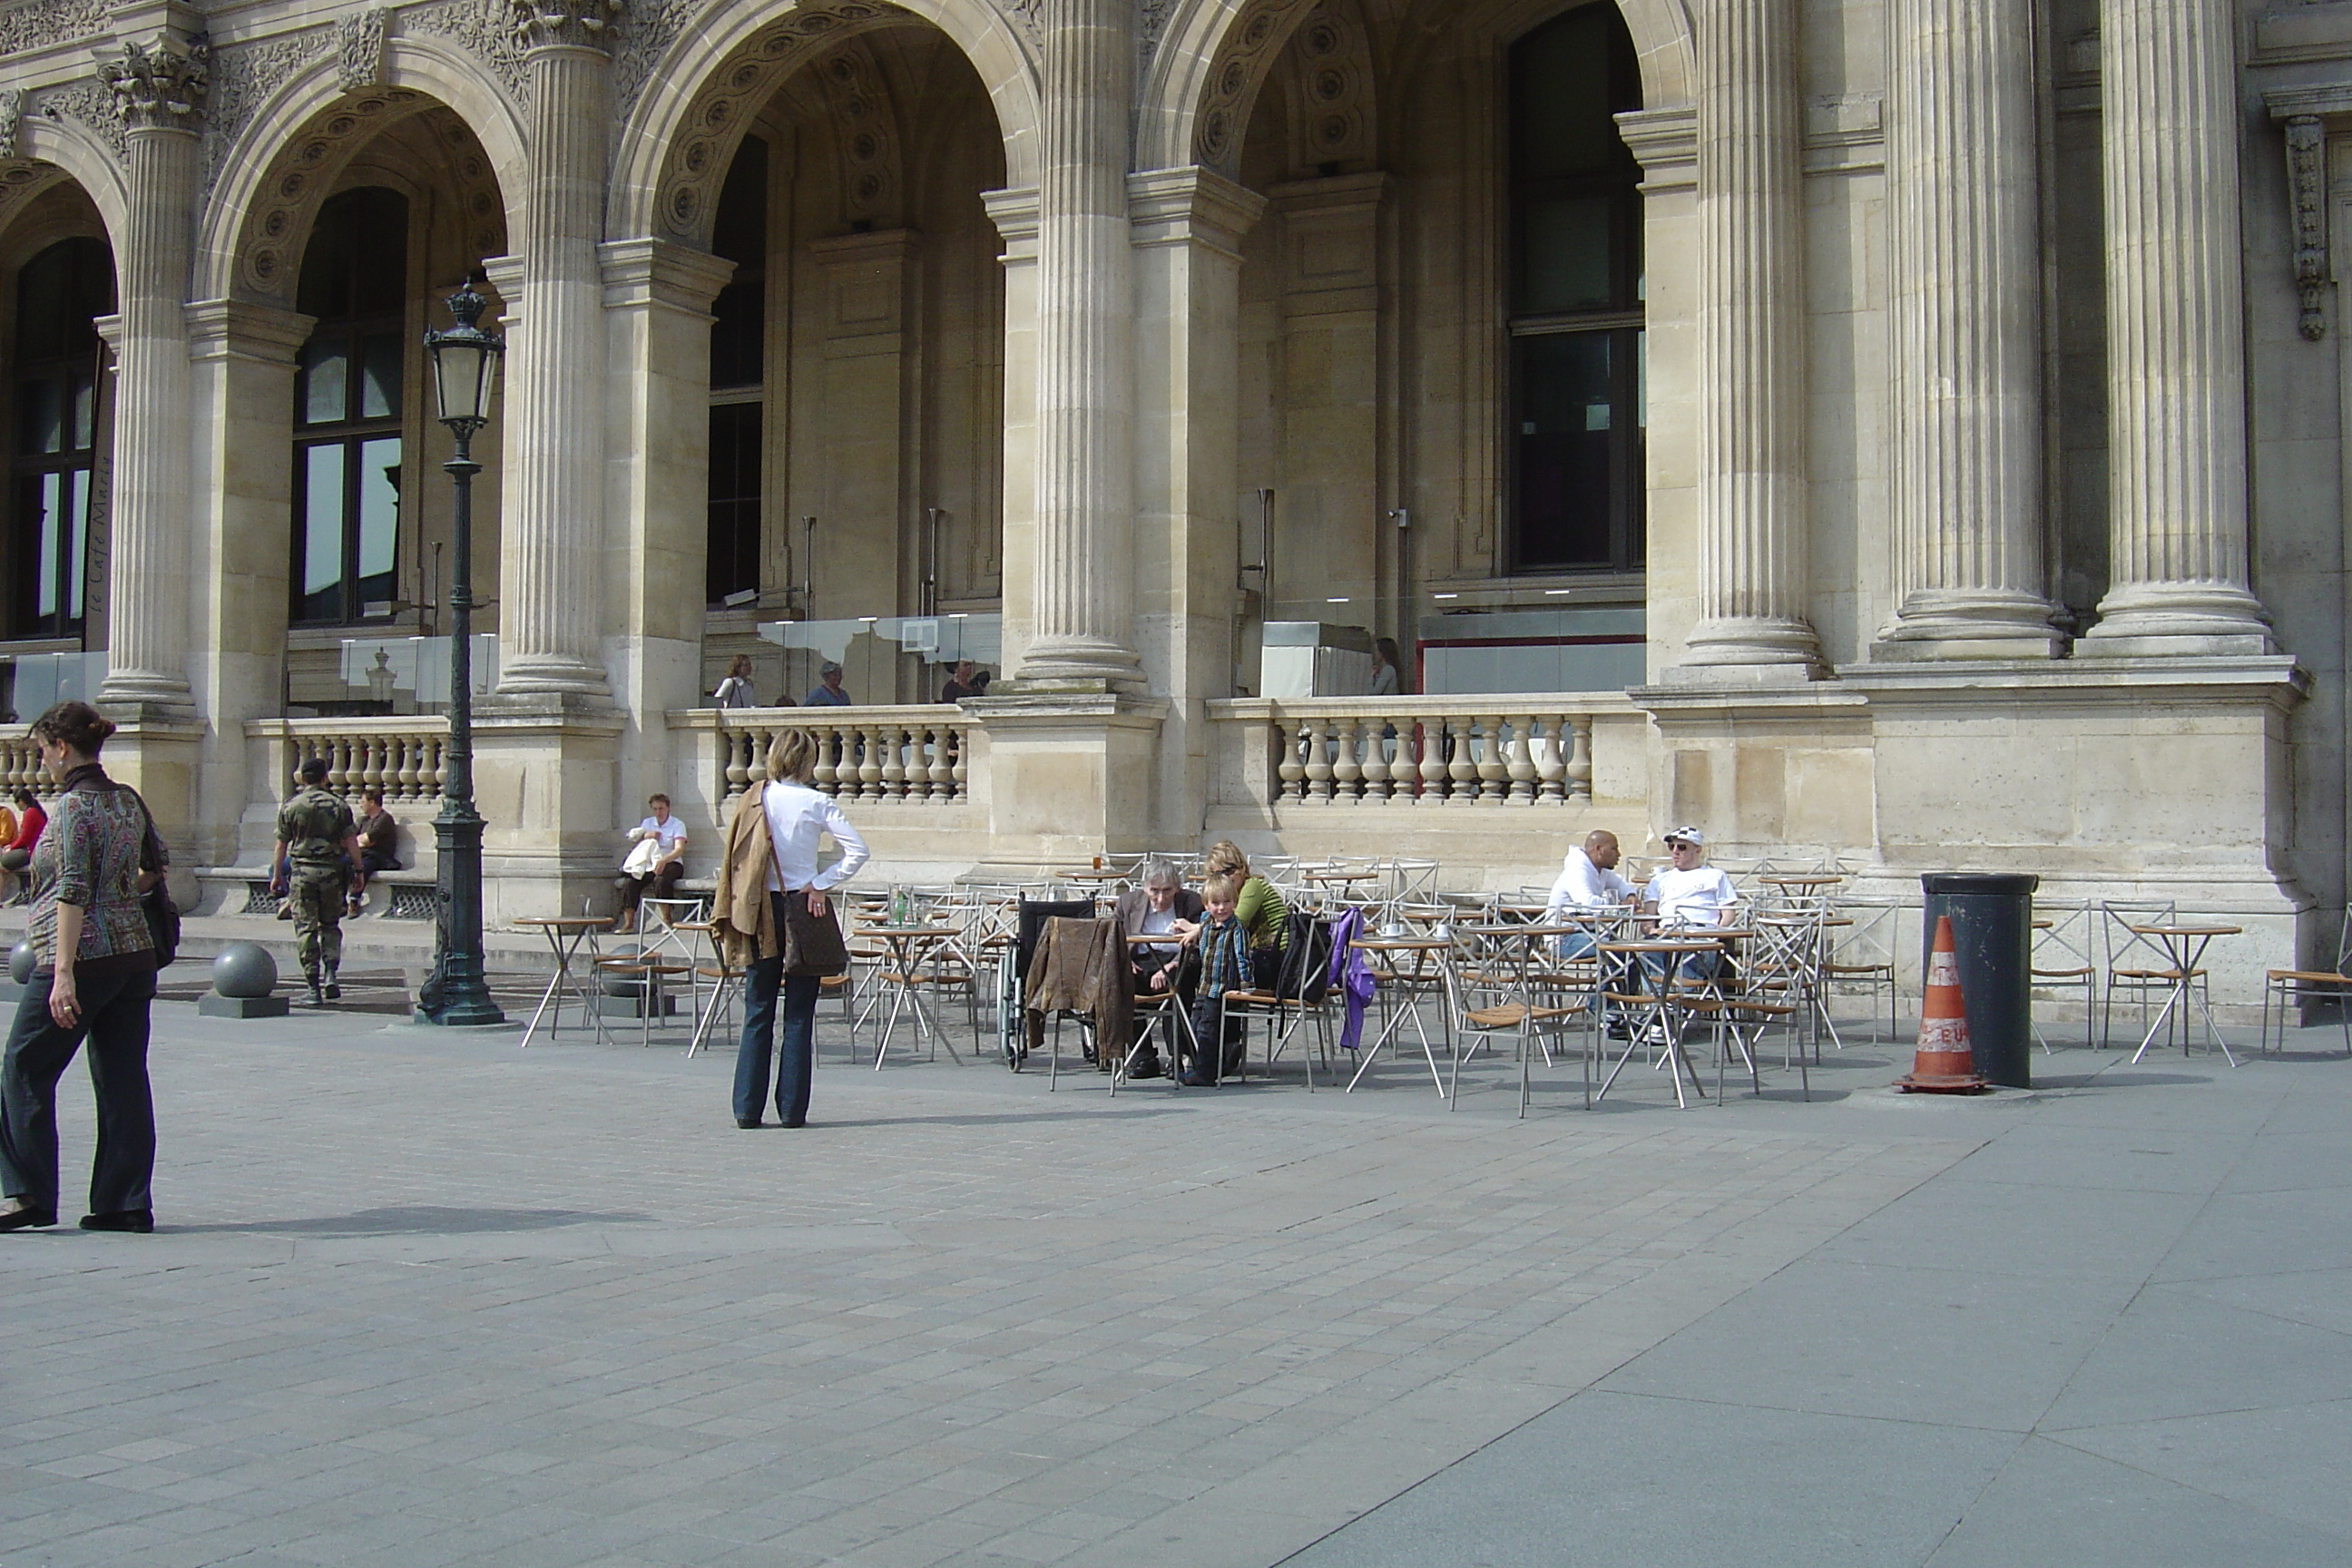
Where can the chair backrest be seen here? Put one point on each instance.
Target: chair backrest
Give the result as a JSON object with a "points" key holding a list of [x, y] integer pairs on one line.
{"points": [[1032, 919], [2071, 941], [2125, 948], [1305, 971]]}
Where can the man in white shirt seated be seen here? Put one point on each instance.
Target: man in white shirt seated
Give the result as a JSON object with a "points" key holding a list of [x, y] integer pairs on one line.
{"points": [[657, 860], [1588, 882], [1689, 894]]}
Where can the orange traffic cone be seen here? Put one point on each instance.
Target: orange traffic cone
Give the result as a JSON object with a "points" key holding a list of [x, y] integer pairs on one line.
{"points": [[1944, 1063]]}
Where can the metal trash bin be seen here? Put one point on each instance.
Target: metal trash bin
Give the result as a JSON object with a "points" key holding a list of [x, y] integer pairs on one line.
{"points": [[1992, 938]]}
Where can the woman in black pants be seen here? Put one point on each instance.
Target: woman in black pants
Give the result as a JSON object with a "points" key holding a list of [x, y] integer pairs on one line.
{"points": [[94, 978]]}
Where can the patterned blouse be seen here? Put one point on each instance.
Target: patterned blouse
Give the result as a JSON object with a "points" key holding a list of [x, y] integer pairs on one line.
{"points": [[96, 845]]}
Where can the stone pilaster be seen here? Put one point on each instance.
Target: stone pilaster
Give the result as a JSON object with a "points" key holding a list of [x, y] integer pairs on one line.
{"points": [[2175, 335], [1084, 591], [159, 91], [1752, 567], [1189, 223], [551, 577], [1964, 223]]}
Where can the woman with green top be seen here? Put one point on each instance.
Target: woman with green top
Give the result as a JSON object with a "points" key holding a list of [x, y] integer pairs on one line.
{"points": [[1260, 909]]}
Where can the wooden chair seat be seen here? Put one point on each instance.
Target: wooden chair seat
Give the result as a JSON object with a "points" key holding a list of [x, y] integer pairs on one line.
{"points": [[1511, 1014], [2307, 977], [2085, 973]]}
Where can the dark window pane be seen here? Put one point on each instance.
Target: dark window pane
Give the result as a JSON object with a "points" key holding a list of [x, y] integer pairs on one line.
{"points": [[41, 415], [323, 390], [379, 376], [1565, 416], [357, 260], [1566, 245], [739, 233], [74, 486], [738, 335], [738, 230], [734, 543], [1563, 92], [82, 428], [46, 508]]}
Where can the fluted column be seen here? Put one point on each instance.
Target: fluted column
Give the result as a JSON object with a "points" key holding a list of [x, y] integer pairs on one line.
{"points": [[1085, 309], [2175, 335], [1752, 557], [159, 91], [551, 581], [1962, 176]]}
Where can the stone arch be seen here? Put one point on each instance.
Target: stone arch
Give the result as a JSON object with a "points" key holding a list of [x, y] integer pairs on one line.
{"points": [[282, 164], [1204, 75], [51, 152], [679, 136]]}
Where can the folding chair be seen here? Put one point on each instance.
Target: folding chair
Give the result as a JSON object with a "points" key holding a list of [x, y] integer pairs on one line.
{"points": [[2061, 959], [1496, 982], [2133, 962], [2298, 988], [1862, 956], [1301, 991]]}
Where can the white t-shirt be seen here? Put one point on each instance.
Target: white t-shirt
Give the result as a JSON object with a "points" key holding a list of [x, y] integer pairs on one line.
{"points": [[1691, 898], [1585, 886], [671, 833]]}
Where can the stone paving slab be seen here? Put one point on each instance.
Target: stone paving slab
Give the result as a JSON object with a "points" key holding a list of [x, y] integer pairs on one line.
{"points": [[422, 1299]]}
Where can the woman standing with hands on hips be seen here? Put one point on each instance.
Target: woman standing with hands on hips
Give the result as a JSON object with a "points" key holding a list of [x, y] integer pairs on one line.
{"points": [[772, 915], [95, 979]]}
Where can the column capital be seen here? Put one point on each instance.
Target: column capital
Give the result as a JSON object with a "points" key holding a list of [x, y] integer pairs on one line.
{"points": [[160, 86], [592, 25], [650, 271], [1191, 206]]}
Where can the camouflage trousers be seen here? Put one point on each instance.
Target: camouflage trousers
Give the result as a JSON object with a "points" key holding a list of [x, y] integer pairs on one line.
{"points": [[319, 894]]}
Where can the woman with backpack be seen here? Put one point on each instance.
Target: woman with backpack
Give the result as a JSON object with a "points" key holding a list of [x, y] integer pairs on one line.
{"points": [[94, 979]]}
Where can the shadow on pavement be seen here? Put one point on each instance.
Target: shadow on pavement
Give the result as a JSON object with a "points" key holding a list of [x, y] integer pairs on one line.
{"points": [[422, 1219]]}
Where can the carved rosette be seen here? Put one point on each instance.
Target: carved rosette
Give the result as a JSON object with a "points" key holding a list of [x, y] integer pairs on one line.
{"points": [[160, 86], [567, 24]]}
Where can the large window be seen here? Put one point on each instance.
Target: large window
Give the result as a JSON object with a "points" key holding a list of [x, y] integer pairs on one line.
{"points": [[737, 375], [55, 457], [1577, 402], [347, 410]]}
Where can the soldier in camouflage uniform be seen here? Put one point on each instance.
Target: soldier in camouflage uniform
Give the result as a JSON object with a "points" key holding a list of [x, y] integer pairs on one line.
{"points": [[318, 839]]}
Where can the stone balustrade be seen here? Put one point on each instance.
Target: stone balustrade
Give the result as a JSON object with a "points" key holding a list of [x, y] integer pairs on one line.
{"points": [[20, 762], [915, 756], [401, 754], [1428, 751]]}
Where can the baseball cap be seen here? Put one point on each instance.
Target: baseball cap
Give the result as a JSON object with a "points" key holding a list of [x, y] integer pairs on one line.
{"points": [[1687, 836]]}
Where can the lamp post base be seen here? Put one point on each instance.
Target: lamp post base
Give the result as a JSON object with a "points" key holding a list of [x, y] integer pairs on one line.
{"points": [[457, 995]]}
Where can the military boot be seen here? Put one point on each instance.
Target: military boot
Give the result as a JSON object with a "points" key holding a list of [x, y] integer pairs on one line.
{"points": [[334, 985], [318, 988]]}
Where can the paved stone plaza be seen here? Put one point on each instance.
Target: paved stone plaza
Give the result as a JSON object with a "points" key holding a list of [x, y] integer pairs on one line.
{"points": [[418, 1301]]}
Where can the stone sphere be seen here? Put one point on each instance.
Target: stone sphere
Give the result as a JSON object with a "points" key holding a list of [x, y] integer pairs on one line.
{"points": [[21, 959], [244, 969]]}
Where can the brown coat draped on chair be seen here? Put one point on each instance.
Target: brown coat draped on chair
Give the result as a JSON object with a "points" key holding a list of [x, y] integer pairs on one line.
{"points": [[1080, 966]]}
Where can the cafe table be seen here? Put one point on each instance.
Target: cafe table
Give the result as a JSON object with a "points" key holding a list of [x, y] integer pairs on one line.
{"points": [[566, 934], [2184, 946]]}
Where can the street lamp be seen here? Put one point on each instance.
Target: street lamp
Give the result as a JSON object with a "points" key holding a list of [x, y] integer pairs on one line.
{"points": [[464, 370]]}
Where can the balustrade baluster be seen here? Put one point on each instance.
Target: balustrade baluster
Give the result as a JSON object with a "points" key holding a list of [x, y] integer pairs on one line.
{"points": [[946, 751], [1521, 759], [869, 765], [1551, 763], [736, 748], [373, 752], [826, 775], [1461, 767], [1291, 771], [1374, 762], [1319, 758], [959, 770], [1579, 761], [894, 766], [405, 775], [1434, 736], [1347, 772]]}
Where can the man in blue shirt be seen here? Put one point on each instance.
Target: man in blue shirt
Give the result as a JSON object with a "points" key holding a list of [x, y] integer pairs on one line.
{"points": [[827, 693]]}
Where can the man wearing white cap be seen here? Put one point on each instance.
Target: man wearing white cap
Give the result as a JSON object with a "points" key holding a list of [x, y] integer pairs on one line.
{"points": [[1689, 893]]}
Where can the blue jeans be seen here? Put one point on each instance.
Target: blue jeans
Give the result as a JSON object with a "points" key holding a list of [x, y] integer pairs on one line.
{"points": [[761, 984], [114, 1023]]}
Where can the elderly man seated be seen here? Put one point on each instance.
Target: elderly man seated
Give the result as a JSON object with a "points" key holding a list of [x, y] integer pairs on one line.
{"points": [[1160, 906], [1588, 882], [1690, 895]]}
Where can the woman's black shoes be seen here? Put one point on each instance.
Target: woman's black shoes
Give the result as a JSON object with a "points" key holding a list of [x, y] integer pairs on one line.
{"points": [[138, 1222], [746, 1123], [29, 1219]]}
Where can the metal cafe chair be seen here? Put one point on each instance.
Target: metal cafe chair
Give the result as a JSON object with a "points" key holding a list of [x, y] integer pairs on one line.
{"points": [[1862, 956], [2061, 959], [2297, 988], [2135, 964]]}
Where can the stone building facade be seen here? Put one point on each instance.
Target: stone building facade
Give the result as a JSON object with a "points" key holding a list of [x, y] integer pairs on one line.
{"points": [[1938, 402]]}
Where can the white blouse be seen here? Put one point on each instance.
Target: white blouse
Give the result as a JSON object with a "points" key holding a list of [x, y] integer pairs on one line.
{"points": [[797, 817]]}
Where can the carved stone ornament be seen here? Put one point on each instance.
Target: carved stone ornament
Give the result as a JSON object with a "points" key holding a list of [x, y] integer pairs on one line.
{"points": [[359, 50], [160, 86], [91, 105], [713, 125], [485, 28], [653, 27], [242, 78], [575, 24], [2306, 168], [1242, 62], [47, 22], [12, 115]]}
